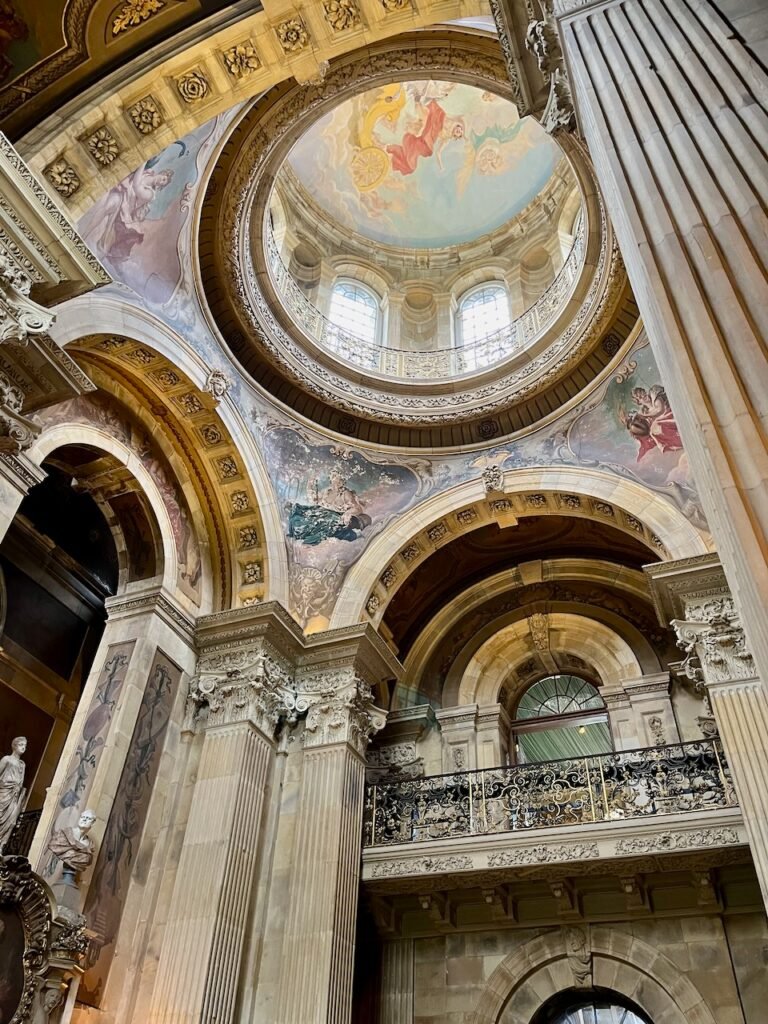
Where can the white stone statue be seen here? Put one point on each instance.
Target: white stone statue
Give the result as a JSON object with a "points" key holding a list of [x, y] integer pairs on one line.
{"points": [[73, 846], [12, 792]]}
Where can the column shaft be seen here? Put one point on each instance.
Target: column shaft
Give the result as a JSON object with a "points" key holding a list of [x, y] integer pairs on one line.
{"points": [[741, 710], [674, 110], [397, 982], [197, 977], [318, 949]]}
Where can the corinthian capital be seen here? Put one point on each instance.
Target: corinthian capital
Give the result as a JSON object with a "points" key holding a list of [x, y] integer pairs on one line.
{"points": [[20, 316], [342, 711], [713, 640]]}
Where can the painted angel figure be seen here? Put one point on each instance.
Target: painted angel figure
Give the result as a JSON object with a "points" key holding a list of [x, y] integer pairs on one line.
{"points": [[653, 423], [485, 153]]}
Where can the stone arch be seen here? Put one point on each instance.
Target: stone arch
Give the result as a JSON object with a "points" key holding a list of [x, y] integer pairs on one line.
{"points": [[562, 490], [629, 582], [72, 432], [478, 677], [243, 504], [617, 961]]}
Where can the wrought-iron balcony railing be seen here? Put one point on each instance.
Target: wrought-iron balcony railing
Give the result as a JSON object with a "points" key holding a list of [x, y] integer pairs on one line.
{"points": [[428, 364], [625, 784]]}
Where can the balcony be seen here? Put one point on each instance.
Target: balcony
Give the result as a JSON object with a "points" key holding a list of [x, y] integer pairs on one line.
{"points": [[638, 803]]}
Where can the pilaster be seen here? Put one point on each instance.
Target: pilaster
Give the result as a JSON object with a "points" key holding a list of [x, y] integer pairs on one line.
{"points": [[397, 981], [674, 109], [693, 595]]}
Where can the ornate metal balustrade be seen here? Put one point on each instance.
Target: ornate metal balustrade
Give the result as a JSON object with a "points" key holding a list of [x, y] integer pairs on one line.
{"points": [[429, 364], [626, 784]]}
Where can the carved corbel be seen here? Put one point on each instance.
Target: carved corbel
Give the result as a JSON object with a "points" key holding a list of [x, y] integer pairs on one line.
{"points": [[17, 432], [20, 316], [713, 641]]}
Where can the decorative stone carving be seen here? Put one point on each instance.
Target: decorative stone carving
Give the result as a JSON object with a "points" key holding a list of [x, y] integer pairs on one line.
{"points": [[12, 792], [410, 553], [656, 727], [133, 13], [145, 116], [421, 866], [292, 35], [252, 573], [341, 14], [466, 517], [241, 60], [543, 854], [16, 431], [192, 86], [228, 467], [217, 385], [103, 147], [437, 532], [373, 604], [391, 6], [604, 509], [389, 576], [713, 640], [63, 177], [74, 847], [579, 952], [538, 623], [344, 712], [493, 479], [398, 760], [666, 842], [536, 500], [571, 501], [20, 316]]}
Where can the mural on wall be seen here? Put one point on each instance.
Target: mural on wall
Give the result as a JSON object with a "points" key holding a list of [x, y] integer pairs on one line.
{"points": [[108, 889], [424, 163], [626, 427], [90, 747], [334, 500], [96, 410], [141, 228]]}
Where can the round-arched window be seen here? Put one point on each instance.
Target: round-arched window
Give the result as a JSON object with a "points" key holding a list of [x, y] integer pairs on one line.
{"points": [[597, 1006], [560, 716], [482, 311], [355, 309]]}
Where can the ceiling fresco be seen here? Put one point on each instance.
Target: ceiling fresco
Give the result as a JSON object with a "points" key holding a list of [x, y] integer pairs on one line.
{"points": [[424, 164]]}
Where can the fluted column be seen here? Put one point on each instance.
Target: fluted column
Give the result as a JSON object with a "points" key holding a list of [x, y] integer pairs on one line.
{"points": [[674, 110], [719, 662], [318, 947], [235, 702], [397, 982]]}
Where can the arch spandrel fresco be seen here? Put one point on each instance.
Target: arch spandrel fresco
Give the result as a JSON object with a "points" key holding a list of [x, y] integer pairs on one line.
{"points": [[625, 427]]}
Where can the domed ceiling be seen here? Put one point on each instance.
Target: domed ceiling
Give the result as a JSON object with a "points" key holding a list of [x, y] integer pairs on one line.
{"points": [[424, 164]]}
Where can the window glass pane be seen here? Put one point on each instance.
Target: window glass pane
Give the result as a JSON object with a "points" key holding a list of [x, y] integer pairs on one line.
{"points": [[558, 695], [483, 312], [563, 741], [354, 309]]}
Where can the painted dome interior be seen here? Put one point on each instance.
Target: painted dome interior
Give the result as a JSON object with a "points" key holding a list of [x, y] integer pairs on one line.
{"points": [[446, 219]]}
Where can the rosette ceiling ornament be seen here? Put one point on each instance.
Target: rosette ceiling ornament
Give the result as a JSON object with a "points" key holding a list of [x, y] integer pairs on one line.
{"points": [[563, 350]]}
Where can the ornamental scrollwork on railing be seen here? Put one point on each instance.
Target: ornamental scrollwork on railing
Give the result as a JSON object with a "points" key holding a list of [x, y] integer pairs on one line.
{"points": [[625, 784]]}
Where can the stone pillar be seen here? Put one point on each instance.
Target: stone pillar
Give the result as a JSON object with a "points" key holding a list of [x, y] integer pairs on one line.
{"points": [[458, 727], [315, 985], [397, 982], [652, 708], [235, 702], [674, 110], [89, 772], [693, 593], [493, 730]]}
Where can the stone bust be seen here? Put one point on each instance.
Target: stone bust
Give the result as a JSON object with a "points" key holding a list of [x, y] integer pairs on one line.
{"points": [[73, 846], [12, 792]]}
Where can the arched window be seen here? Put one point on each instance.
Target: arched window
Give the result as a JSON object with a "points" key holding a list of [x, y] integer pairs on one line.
{"points": [[355, 308], [597, 1006], [482, 311], [560, 716]]}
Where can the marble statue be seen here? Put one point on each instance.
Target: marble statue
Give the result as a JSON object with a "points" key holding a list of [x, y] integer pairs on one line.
{"points": [[73, 846], [12, 792]]}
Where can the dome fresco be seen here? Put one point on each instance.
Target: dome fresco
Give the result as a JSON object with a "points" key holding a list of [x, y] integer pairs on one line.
{"points": [[424, 164]]}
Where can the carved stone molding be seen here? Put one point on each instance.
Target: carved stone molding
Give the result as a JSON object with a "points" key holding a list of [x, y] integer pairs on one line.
{"points": [[714, 643]]}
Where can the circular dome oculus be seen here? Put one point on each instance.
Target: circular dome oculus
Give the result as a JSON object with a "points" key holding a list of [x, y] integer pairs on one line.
{"points": [[426, 164]]}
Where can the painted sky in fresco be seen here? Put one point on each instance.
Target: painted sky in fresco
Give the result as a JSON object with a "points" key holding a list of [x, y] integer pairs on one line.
{"points": [[424, 164]]}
